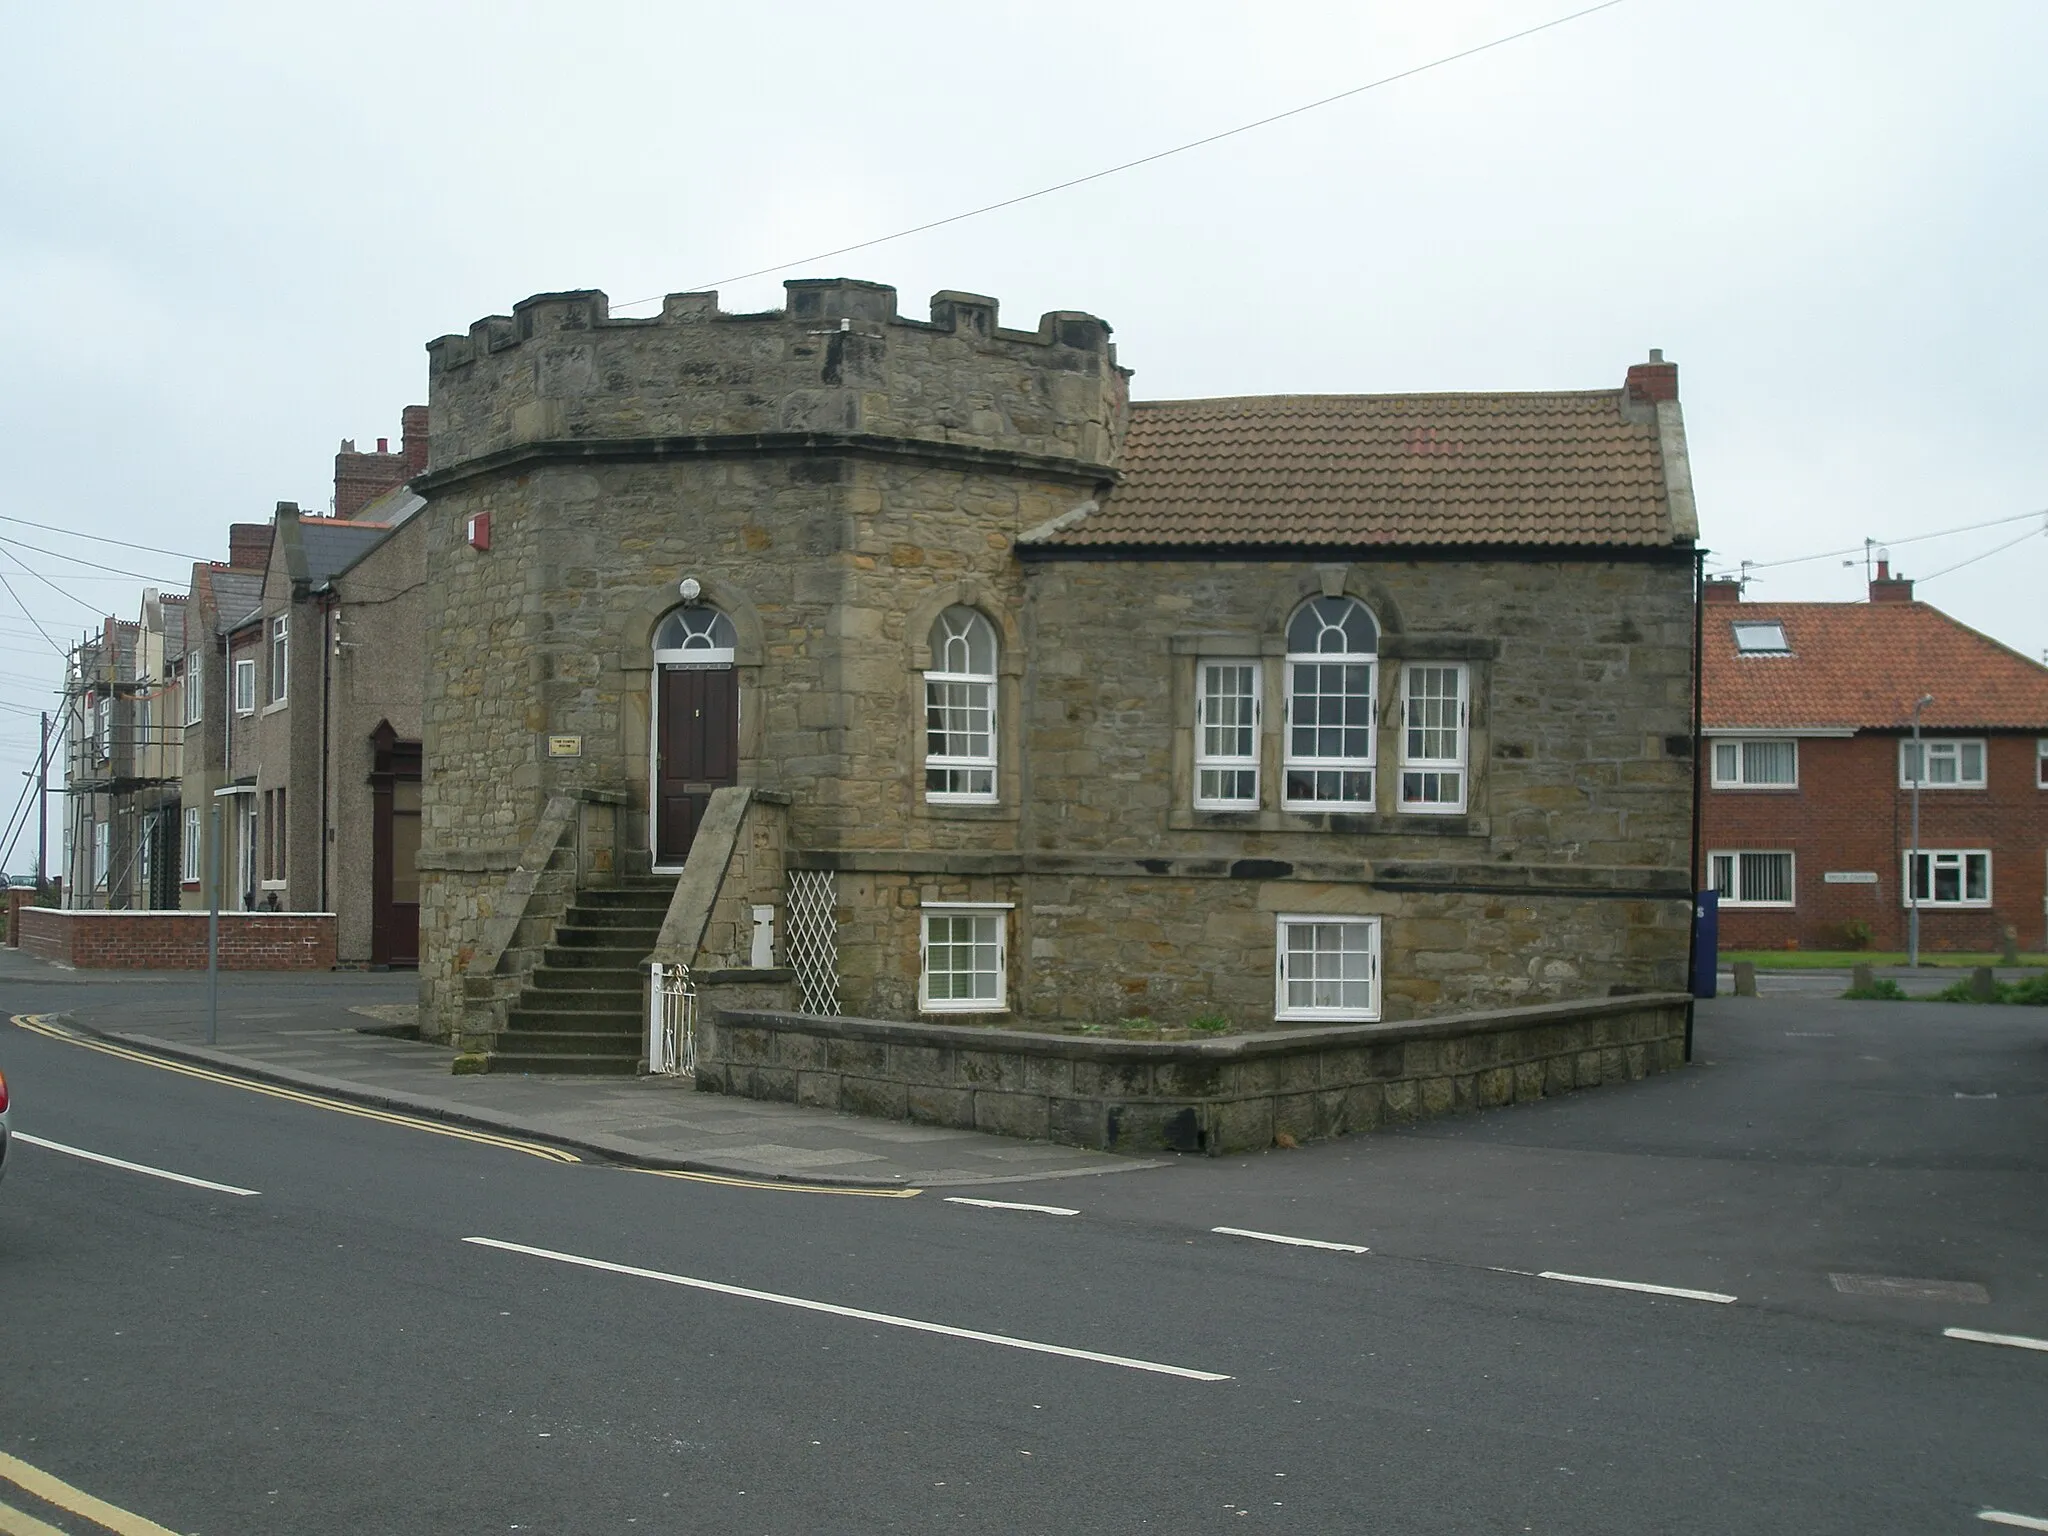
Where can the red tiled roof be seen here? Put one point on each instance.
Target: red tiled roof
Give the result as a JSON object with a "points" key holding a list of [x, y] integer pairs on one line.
{"points": [[1568, 468], [1861, 665]]}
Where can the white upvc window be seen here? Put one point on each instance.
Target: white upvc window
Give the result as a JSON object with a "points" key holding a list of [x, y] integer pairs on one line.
{"points": [[2041, 763], [245, 686], [1948, 877], [100, 845], [1435, 727], [1227, 736], [960, 710], [103, 728], [1753, 879], [188, 870], [964, 946], [1950, 764], [280, 655], [195, 689], [1332, 659], [1326, 967], [1764, 763]]}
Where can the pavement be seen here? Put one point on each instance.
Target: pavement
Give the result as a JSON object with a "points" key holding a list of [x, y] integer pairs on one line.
{"points": [[313, 1031], [1927, 981]]}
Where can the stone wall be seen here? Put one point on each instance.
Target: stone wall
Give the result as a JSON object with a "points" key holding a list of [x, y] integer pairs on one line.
{"points": [[176, 941], [1214, 1096]]}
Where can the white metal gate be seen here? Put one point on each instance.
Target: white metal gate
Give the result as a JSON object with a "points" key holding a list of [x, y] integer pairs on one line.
{"points": [[812, 941], [672, 1021]]}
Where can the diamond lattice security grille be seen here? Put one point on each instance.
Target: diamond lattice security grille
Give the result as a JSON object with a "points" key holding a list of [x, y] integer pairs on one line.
{"points": [[813, 941]]}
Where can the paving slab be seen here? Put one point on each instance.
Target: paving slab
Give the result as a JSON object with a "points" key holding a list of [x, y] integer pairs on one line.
{"points": [[315, 1031]]}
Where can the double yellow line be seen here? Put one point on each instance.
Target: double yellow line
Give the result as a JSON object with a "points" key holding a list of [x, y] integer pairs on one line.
{"points": [[75, 1501], [42, 1024]]}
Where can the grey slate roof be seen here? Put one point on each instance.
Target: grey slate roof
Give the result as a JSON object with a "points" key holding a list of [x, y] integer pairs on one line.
{"points": [[331, 547], [236, 595]]}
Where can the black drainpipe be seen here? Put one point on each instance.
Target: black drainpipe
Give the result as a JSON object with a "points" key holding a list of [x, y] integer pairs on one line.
{"points": [[1699, 631]]}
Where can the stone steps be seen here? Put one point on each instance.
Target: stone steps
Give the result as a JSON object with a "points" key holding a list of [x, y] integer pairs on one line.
{"points": [[580, 1010]]}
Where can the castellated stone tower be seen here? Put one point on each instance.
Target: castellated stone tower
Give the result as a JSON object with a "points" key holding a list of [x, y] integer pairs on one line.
{"points": [[824, 480]]}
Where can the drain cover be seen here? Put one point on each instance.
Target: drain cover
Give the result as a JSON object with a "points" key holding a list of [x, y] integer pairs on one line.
{"points": [[1897, 1288]]}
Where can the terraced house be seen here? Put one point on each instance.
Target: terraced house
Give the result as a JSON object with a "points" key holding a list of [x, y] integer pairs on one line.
{"points": [[909, 668]]}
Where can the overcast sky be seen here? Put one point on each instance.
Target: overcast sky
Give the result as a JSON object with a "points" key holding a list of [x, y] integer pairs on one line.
{"points": [[228, 230]]}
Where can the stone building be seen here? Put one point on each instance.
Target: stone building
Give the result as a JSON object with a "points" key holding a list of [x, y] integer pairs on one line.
{"points": [[951, 679]]}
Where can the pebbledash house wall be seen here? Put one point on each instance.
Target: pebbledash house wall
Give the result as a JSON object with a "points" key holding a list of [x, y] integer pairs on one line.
{"points": [[1849, 814], [834, 475]]}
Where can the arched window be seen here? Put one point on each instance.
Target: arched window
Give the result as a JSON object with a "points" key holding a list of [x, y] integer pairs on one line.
{"points": [[696, 635], [960, 709], [1332, 658]]}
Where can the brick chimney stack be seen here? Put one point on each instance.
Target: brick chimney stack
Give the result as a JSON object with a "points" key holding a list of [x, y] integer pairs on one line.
{"points": [[248, 546], [360, 478], [1721, 589], [413, 444], [1653, 381], [1887, 588]]}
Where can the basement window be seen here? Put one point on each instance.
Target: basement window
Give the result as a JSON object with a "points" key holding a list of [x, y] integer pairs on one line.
{"points": [[1326, 968], [964, 953]]}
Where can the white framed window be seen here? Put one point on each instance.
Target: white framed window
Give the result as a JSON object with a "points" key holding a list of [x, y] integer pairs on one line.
{"points": [[963, 969], [1948, 877], [195, 679], [960, 710], [103, 728], [2041, 763], [1435, 720], [1332, 661], [280, 655], [100, 846], [695, 635], [1326, 967], [1747, 879], [245, 686], [1756, 764], [1227, 736], [189, 869], [1950, 764]]}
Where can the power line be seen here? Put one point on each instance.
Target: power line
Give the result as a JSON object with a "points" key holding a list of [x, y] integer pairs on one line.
{"points": [[4, 582], [1857, 549], [72, 533], [2008, 544], [58, 554], [39, 576], [1130, 165]]}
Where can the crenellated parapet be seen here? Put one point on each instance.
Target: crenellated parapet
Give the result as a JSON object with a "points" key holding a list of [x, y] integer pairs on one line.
{"points": [[837, 361]]}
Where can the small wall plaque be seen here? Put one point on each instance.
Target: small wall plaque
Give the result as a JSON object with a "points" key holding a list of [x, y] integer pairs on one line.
{"points": [[1850, 877], [572, 746]]}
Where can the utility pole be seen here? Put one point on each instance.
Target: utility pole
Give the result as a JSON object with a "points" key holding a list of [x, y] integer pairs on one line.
{"points": [[1913, 863], [43, 808]]}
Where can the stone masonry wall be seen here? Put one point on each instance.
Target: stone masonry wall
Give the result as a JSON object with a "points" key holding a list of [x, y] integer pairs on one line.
{"points": [[1211, 1096]]}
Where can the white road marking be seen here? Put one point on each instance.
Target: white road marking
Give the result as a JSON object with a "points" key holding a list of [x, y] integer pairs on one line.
{"points": [[1012, 1205], [859, 1314], [1292, 1242], [1635, 1285], [2012, 1340], [118, 1162], [2005, 1517]]}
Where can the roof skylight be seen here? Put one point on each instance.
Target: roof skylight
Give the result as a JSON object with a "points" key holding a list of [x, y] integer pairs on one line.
{"points": [[1761, 637]]}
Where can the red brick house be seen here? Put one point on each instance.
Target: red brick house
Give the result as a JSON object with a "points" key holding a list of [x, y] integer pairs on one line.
{"points": [[1807, 804]]}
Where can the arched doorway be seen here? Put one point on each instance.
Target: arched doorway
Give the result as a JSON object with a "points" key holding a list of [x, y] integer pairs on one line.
{"points": [[696, 740]]}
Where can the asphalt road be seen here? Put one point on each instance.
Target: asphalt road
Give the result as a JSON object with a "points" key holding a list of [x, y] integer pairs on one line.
{"points": [[331, 1354]]}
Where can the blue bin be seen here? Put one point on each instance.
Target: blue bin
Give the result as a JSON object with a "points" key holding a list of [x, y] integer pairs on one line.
{"points": [[1706, 942]]}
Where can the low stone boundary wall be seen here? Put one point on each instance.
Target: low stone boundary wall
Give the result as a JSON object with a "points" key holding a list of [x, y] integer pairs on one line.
{"points": [[176, 941], [1231, 1095]]}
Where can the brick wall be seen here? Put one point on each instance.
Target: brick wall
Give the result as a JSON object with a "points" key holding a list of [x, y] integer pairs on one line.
{"points": [[1849, 815], [176, 941]]}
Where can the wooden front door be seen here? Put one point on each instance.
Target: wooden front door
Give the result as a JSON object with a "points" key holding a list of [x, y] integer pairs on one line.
{"points": [[697, 750], [394, 849]]}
